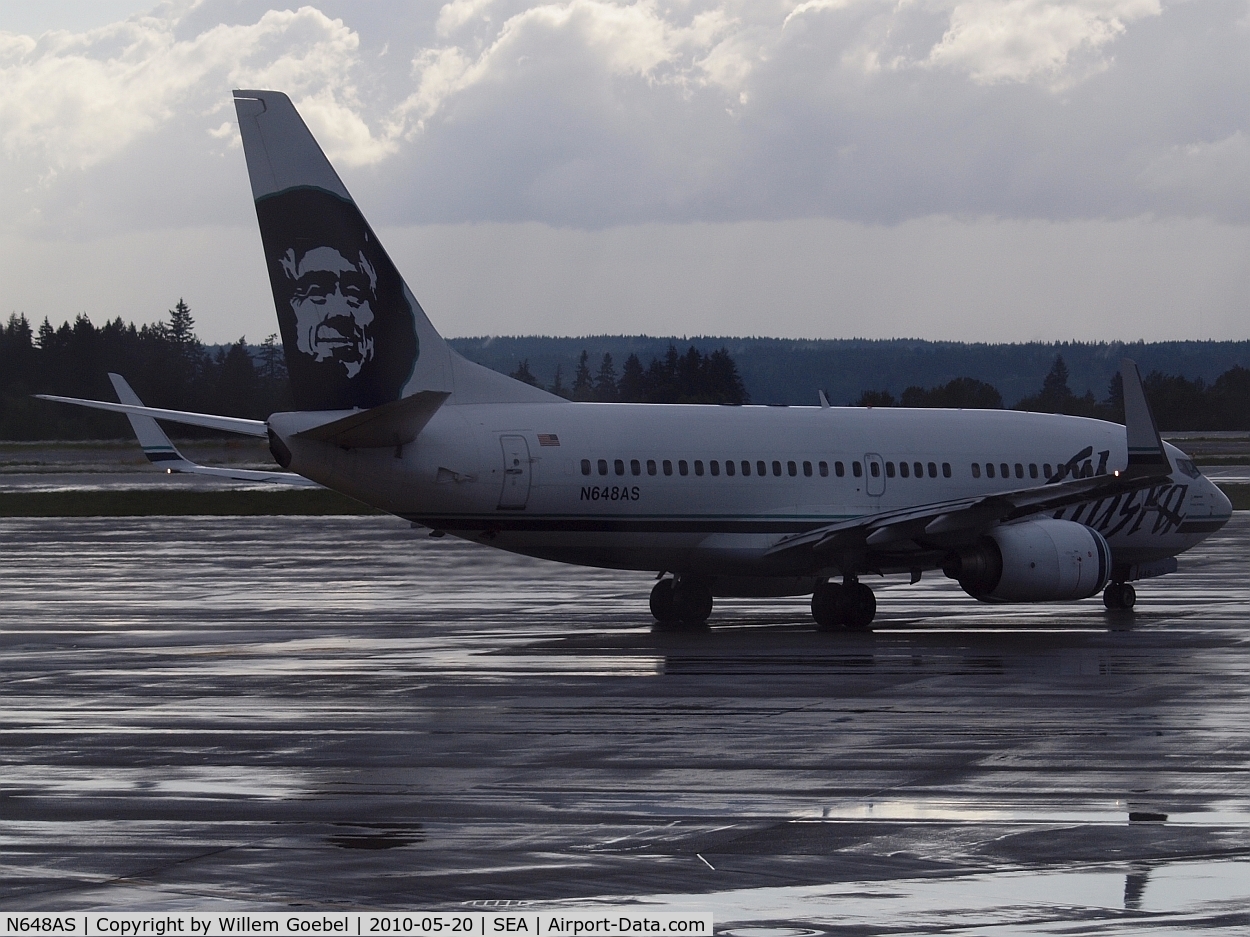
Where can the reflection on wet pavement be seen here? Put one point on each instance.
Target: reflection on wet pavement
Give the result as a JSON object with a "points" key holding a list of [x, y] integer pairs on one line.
{"points": [[341, 712]]}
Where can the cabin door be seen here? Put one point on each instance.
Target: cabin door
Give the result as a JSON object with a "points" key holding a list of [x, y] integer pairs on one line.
{"points": [[516, 472]]}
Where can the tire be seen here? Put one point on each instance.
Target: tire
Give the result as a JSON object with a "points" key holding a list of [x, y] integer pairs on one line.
{"points": [[825, 606], [663, 608], [1119, 596], [859, 607], [692, 602]]}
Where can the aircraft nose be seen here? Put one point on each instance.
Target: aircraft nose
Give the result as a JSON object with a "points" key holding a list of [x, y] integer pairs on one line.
{"points": [[1221, 505]]}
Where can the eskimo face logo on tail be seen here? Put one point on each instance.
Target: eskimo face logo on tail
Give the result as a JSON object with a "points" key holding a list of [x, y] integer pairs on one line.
{"points": [[333, 300], [348, 332]]}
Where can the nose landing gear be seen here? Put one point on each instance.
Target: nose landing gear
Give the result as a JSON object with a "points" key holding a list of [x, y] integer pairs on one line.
{"points": [[848, 606], [680, 605]]}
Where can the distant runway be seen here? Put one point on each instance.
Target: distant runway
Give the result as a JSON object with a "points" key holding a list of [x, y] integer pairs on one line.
{"points": [[343, 713]]}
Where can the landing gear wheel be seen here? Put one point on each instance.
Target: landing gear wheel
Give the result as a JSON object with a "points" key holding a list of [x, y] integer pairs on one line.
{"points": [[1119, 596], [825, 602], [680, 606], [662, 606], [692, 602], [858, 607]]}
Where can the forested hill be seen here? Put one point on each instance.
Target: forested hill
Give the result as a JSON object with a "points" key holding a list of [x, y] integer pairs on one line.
{"points": [[1191, 385], [777, 370]]}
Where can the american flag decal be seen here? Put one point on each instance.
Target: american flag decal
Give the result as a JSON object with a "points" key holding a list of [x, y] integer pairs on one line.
{"points": [[548, 439]]}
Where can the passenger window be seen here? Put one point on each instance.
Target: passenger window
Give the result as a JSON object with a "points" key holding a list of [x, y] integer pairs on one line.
{"points": [[729, 467], [889, 470], [919, 470], [603, 466], [650, 466], [933, 470], [746, 467], [715, 467], [698, 466], [635, 467], [903, 470], [824, 469], [875, 468], [946, 470], [682, 467], [989, 469], [792, 469], [1006, 469], [585, 466], [807, 469], [776, 468], [976, 470], [1046, 469], [839, 469], [1032, 470], [856, 469], [619, 465], [1019, 470], [668, 467], [761, 469]]}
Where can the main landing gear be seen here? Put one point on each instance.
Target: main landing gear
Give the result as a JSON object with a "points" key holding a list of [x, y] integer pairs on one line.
{"points": [[1119, 596], [680, 605], [849, 605]]}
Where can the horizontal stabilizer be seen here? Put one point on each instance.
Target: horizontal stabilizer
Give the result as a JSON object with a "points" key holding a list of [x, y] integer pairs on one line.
{"points": [[226, 424], [392, 424]]}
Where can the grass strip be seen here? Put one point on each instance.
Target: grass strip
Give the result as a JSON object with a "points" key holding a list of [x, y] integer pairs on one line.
{"points": [[150, 503]]}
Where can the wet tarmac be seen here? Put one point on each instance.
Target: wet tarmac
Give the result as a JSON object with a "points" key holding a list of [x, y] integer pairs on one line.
{"points": [[332, 713]]}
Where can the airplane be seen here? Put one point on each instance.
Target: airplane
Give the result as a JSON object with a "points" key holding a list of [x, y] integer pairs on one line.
{"points": [[161, 451], [716, 500]]}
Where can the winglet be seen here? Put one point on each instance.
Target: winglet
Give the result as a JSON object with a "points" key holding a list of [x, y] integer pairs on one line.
{"points": [[1146, 455], [156, 445]]}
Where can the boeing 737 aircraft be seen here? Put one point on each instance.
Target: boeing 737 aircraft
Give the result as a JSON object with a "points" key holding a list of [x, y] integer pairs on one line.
{"points": [[718, 500]]}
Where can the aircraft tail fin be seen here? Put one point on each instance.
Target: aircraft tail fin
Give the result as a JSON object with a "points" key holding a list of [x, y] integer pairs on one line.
{"points": [[1145, 446], [353, 334]]}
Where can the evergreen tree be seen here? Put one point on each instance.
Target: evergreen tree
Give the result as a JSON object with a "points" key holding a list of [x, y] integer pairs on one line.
{"points": [[582, 386], [522, 373], [605, 381], [632, 387], [238, 384], [557, 385], [876, 398], [963, 393]]}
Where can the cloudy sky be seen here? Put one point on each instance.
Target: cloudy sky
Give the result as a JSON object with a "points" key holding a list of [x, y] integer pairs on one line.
{"points": [[947, 169]]}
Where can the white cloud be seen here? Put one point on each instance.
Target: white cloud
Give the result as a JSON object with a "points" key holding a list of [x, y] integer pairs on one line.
{"points": [[1027, 40], [70, 100]]}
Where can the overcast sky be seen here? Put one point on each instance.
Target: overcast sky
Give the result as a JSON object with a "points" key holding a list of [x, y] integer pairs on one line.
{"points": [[947, 169]]}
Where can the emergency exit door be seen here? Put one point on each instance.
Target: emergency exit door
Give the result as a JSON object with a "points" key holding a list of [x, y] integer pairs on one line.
{"points": [[516, 472]]}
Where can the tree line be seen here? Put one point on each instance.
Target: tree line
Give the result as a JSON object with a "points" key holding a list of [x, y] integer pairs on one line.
{"points": [[1178, 403], [169, 366], [692, 377], [165, 362]]}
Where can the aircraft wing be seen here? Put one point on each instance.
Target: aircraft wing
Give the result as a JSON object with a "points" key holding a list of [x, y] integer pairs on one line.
{"points": [[161, 451], [944, 523], [227, 424], [959, 521]]}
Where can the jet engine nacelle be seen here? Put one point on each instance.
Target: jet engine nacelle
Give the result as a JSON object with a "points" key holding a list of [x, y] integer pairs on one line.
{"points": [[1035, 561]]}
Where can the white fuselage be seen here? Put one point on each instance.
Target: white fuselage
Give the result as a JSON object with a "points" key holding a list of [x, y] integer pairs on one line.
{"points": [[645, 486]]}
